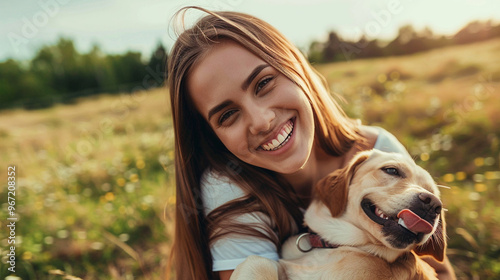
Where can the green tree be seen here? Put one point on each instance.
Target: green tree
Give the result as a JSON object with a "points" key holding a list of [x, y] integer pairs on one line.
{"points": [[157, 66], [21, 88], [315, 52], [128, 69]]}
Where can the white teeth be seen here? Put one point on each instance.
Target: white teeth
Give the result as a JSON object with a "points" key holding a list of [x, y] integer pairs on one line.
{"points": [[379, 213], [271, 146], [402, 223], [281, 139]]}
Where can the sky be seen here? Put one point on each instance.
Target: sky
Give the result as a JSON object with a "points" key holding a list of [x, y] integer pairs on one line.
{"points": [[117, 26]]}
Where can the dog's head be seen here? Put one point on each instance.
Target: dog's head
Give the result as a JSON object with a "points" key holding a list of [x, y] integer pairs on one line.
{"points": [[390, 198]]}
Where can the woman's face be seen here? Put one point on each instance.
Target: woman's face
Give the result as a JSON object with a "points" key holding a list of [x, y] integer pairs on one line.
{"points": [[261, 116]]}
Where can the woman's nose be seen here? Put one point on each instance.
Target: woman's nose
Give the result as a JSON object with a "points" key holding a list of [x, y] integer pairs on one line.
{"points": [[260, 120]]}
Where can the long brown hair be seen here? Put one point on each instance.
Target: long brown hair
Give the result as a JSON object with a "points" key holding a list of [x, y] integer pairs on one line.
{"points": [[197, 148]]}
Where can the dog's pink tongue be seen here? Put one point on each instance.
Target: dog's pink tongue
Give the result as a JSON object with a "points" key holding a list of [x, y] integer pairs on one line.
{"points": [[413, 222]]}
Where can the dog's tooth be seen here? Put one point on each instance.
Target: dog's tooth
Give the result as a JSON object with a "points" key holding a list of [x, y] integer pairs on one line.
{"points": [[401, 222], [381, 214]]}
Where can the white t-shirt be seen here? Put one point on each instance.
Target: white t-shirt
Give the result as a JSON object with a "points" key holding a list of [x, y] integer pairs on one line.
{"points": [[230, 251]]}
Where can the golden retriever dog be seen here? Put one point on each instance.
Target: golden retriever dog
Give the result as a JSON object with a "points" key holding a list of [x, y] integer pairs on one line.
{"points": [[378, 214]]}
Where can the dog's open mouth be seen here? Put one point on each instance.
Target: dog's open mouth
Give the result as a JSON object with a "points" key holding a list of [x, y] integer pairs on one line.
{"points": [[375, 214], [405, 218]]}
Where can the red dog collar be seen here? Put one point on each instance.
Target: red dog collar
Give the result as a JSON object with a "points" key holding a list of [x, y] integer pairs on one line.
{"points": [[315, 241]]}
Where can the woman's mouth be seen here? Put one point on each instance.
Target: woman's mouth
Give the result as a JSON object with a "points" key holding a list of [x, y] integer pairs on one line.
{"points": [[281, 138]]}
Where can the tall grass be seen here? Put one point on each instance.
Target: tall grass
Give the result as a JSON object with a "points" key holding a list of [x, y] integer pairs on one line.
{"points": [[95, 180]]}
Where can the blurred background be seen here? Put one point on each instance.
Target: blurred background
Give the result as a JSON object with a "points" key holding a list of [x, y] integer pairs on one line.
{"points": [[85, 119]]}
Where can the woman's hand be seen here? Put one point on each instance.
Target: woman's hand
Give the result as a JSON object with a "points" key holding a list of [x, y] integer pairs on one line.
{"points": [[444, 270]]}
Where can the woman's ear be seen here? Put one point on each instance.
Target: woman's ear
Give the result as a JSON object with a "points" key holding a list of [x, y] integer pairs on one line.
{"points": [[334, 188], [436, 245]]}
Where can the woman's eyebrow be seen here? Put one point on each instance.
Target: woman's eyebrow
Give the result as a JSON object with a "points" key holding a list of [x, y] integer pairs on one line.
{"points": [[252, 76], [218, 108], [244, 86]]}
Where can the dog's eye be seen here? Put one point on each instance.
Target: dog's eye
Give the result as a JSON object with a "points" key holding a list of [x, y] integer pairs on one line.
{"points": [[391, 171]]}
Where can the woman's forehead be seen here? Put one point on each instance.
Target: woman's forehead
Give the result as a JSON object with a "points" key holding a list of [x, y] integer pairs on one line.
{"points": [[223, 69]]}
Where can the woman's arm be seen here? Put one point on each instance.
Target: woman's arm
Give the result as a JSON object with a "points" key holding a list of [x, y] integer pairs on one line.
{"points": [[225, 275], [444, 270]]}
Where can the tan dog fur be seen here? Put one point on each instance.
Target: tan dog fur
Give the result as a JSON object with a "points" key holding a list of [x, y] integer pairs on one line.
{"points": [[365, 251]]}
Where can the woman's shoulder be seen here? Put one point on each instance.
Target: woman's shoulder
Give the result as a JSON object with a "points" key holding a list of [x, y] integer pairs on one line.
{"points": [[387, 142], [383, 140], [217, 189]]}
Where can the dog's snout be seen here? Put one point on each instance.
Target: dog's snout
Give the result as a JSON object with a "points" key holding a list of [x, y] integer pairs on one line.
{"points": [[431, 201]]}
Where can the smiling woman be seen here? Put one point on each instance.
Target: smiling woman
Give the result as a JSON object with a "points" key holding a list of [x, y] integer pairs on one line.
{"points": [[250, 106], [255, 129]]}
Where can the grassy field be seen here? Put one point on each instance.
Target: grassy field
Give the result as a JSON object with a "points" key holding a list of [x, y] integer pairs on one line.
{"points": [[94, 194]]}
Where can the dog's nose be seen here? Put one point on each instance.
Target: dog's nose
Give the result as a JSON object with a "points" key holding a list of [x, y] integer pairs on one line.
{"points": [[431, 201]]}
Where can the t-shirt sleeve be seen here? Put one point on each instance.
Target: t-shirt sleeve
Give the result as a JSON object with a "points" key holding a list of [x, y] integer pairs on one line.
{"points": [[387, 142], [231, 250]]}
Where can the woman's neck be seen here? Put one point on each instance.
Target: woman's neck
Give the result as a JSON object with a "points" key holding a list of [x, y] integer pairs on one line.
{"points": [[317, 167], [321, 164]]}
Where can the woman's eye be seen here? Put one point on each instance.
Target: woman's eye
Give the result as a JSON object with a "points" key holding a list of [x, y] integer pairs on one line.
{"points": [[391, 171], [262, 84], [225, 116]]}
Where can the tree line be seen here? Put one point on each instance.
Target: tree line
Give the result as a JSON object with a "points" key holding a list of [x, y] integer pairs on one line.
{"points": [[59, 74], [408, 41]]}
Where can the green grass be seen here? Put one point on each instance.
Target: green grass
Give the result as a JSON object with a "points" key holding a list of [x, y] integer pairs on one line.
{"points": [[93, 180], [95, 191]]}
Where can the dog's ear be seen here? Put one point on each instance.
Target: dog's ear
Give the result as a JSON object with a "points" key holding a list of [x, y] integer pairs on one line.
{"points": [[333, 189], [436, 245]]}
